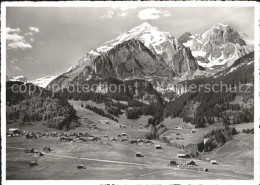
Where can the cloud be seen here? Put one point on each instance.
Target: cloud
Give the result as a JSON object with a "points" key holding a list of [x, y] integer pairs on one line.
{"points": [[34, 29], [13, 30], [108, 15], [123, 10], [152, 13], [15, 40], [21, 45]]}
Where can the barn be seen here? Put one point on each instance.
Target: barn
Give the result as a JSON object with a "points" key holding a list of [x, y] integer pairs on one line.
{"points": [[183, 155], [13, 131], [191, 163]]}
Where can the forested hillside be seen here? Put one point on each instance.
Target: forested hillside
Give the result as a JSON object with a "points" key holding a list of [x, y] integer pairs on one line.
{"points": [[54, 111], [226, 98]]}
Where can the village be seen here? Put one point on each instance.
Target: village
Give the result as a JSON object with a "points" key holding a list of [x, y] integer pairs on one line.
{"points": [[118, 148], [78, 150]]}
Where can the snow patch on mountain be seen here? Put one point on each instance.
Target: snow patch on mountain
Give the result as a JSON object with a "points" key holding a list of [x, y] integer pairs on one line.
{"points": [[153, 39], [20, 79], [41, 82], [219, 46], [44, 81]]}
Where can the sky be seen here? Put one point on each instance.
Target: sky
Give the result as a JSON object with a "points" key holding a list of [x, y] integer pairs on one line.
{"points": [[45, 41]]}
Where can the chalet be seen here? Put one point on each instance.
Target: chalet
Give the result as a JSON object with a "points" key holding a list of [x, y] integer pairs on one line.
{"points": [[213, 162], [134, 141], [138, 154], [81, 166], [193, 131], [183, 155], [148, 142], [179, 127], [123, 134], [113, 139], [173, 163], [54, 134], [191, 163], [33, 163], [13, 131], [205, 140]]}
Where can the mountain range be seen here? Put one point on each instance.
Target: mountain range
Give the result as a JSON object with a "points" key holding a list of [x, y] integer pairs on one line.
{"points": [[41, 82], [218, 47], [145, 52]]}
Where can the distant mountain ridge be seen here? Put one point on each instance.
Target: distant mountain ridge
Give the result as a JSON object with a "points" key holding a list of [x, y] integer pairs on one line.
{"points": [[41, 82], [219, 47], [142, 52]]}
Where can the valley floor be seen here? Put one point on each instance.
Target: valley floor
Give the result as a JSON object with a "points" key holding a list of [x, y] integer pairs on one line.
{"points": [[108, 160]]}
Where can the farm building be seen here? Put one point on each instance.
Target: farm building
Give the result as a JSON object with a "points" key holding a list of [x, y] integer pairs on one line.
{"points": [[191, 163], [138, 154], [123, 134], [81, 166], [183, 155], [179, 127], [134, 141], [13, 131], [173, 163], [158, 146], [193, 131], [124, 139], [148, 142], [33, 163], [113, 139], [213, 162]]}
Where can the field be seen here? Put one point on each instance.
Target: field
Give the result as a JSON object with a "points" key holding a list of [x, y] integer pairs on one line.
{"points": [[116, 159]]}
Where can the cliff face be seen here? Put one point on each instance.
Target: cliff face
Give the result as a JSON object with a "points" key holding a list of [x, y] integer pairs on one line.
{"points": [[133, 58], [219, 46]]}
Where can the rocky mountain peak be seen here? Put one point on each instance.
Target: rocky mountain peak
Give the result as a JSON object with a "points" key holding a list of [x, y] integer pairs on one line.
{"points": [[218, 47]]}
